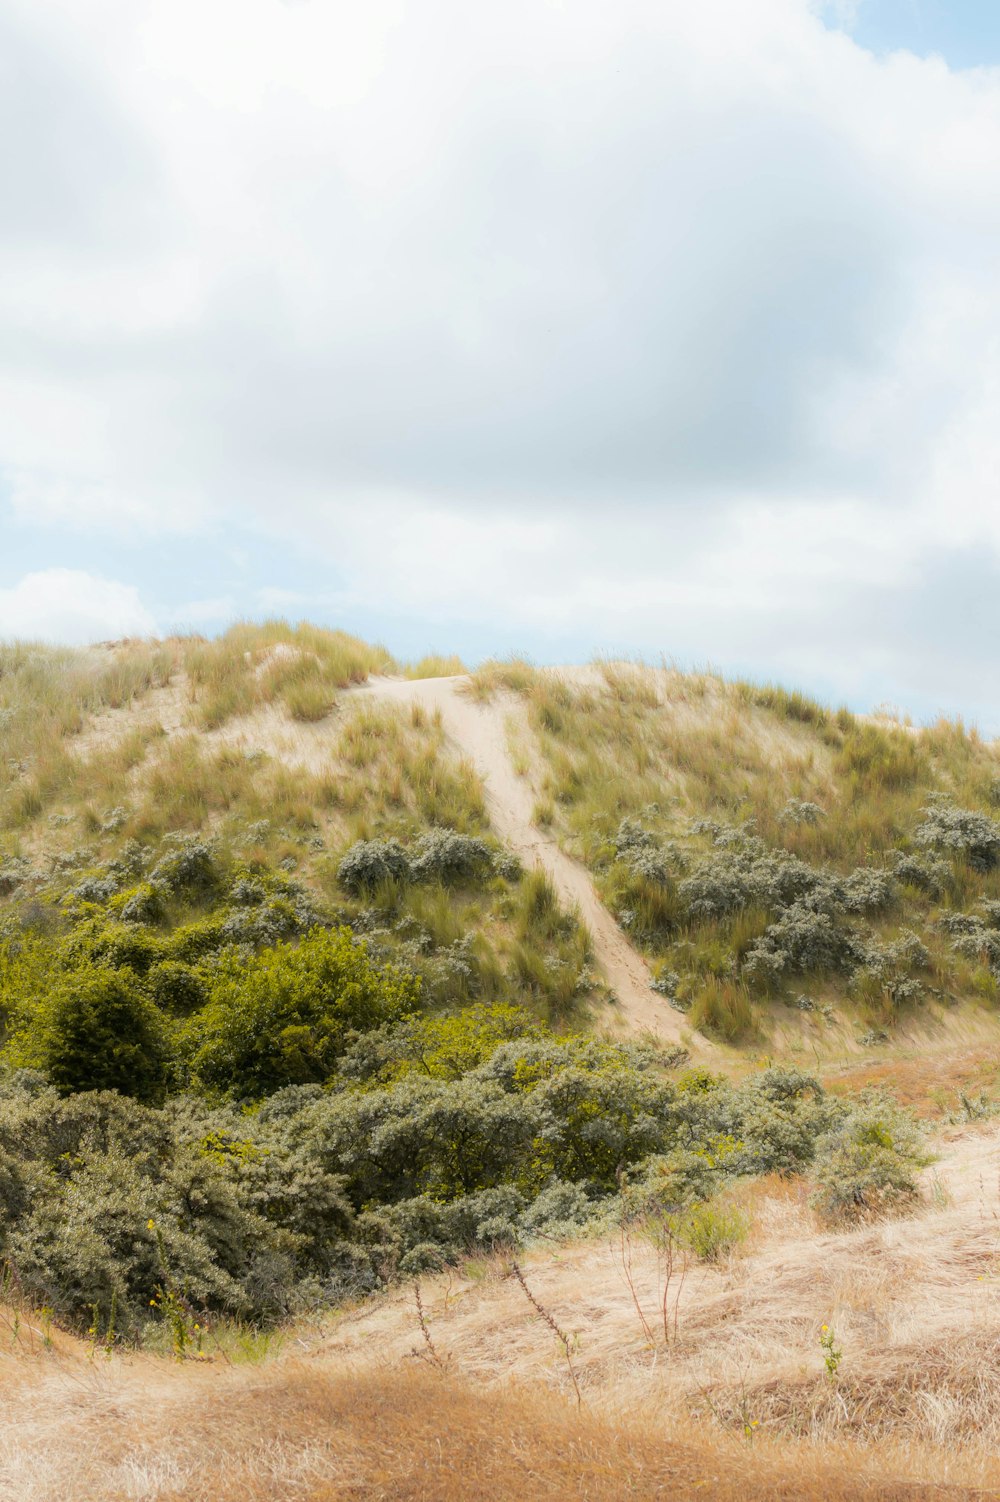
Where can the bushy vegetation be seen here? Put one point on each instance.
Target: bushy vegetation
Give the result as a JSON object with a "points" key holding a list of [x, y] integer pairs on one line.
{"points": [[441, 855], [430, 1137], [274, 1035], [869, 1163], [753, 842]]}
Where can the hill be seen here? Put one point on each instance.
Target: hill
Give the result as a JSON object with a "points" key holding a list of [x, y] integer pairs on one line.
{"points": [[623, 1009]]}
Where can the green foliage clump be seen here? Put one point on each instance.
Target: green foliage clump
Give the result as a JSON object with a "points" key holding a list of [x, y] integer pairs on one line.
{"points": [[107, 1201], [868, 1164], [95, 1029], [976, 936], [711, 1228], [189, 867], [370, 863], [439, 855], [805, 937], [445, 855], [286, 1019], [961, 831]]}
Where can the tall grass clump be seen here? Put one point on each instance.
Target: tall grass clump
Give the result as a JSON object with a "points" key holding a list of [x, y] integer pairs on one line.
{"points": [[434, 665], [723, 1008], [513, 674], [299, 666]]}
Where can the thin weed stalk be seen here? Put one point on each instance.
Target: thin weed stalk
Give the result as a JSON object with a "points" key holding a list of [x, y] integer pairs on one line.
{"points": [[556, 1329]]}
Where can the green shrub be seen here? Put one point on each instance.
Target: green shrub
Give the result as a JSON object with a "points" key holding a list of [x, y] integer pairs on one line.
{"points": [[963, 831], [446, 856], [370, 863], [711, 1228], [286, 1019], [108, 1201], [142, 904], [805, 937], [95, 1029], [867, 1165], [177, 988], [189, 868]]}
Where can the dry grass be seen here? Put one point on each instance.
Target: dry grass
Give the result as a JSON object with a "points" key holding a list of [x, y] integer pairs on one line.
{"points": [[301, 666], [735, 1403], [434, 665], [399, 1434], [510, 674], [914, 1303], [929, 1084]]}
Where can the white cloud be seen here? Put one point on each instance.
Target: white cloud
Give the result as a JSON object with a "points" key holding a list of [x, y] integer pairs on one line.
{"points": [[219, 610], [653, 321], [70, 606]]}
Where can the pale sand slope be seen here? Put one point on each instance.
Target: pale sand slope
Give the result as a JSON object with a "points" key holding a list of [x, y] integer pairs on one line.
{"points": [[479, 731]]}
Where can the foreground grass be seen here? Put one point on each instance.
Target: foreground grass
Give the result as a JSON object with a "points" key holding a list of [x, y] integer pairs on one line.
{"points": [[405, 1434]]}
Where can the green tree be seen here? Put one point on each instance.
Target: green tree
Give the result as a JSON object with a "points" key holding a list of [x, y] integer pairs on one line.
{"points": [[96, 1030], [286, 1019]]}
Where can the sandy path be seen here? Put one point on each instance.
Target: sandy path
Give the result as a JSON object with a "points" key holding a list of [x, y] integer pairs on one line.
{"points": [[479, 731]]}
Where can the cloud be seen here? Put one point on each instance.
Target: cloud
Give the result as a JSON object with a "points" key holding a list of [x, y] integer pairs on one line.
{"points": [[653, 322], [68, 605]]}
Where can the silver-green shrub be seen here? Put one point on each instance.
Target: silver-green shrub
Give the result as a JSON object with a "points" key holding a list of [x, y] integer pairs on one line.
{"points": [[962, 831], [867, 1165]]}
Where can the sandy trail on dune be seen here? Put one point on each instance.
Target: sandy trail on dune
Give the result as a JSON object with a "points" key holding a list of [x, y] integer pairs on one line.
{"points": [[478, 730]]}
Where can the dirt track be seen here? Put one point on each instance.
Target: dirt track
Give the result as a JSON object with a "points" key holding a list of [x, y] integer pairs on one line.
{"points": [[479, 731]]}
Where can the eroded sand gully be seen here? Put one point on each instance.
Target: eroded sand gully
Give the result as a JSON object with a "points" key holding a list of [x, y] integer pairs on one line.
{"points": [[479, 731]]}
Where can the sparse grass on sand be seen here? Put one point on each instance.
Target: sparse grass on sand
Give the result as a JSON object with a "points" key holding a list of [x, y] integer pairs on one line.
{"points": [[435, 665]]}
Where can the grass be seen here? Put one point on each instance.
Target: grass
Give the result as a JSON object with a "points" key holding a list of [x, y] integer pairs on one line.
{"points": [[300, 667], [510, 674], [435, 666], [408, 1434], [724, 1009], [734, 1401]]}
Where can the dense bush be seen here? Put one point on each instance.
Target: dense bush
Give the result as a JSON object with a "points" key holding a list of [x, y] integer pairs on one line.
{"points": [[444, 855], [805, 937], [434, 1136], [801, 811], [107, 1201], [369, 863], [189, 868], [976, 935], [927, 873], [440, 855], [963, 831], [868, 1164], [744, 872], [286, 1019], [95, 1029]]}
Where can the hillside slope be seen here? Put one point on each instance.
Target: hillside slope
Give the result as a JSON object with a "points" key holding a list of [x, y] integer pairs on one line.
{"points": [[479, 730], [647, 1022], [791, 879]]}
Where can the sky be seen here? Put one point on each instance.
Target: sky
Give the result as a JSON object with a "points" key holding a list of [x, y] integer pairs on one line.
{"points": [[643, 327]]}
